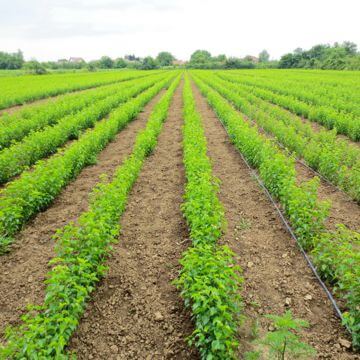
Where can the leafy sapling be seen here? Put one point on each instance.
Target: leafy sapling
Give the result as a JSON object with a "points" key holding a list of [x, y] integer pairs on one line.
{"points": [[283, 343]]}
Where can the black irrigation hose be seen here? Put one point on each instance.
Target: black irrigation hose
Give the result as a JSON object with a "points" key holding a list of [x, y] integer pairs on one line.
{"points": [[288, 227]]}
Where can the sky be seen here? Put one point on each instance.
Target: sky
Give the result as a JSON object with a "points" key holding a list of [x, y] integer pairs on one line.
{"points": [[55, 29]]}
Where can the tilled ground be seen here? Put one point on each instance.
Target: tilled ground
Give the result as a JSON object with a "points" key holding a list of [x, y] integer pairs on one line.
{"points": [[23, 270], [276, 275], [136, 313]]}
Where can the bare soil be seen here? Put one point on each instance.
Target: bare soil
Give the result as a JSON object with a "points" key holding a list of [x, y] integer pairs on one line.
{"points": [[24, 269], [136, 313], [276, 275]]}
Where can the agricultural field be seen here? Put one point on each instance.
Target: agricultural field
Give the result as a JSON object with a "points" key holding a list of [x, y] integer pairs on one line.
{"points": [[167, 214]]}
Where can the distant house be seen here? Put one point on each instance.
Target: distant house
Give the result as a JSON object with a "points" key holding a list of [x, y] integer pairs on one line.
{"points": [[62, 61], [76, 60]]}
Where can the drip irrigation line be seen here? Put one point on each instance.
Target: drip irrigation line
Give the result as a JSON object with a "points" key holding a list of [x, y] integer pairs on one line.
{"points": [[289, 229]]}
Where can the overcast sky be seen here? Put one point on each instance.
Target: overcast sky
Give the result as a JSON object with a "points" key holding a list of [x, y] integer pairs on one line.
{"points": [[53, 29]]}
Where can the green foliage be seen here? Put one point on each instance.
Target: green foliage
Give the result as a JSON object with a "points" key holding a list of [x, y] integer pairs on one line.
{"points": [[334, 158], [148, 63], [34, 67], [210, 284], [236, 63], [283, 343], [18, 90], [264, 56], [321, 57], [105, 62], [209, 280], [81, 252], [91, 67], [11, 61], [120, 63], [15, 127], [36, 189], [325, 108], [337, 257], [200, 57], [300, 203], [38, 145], [335, 253], [165, 58]]}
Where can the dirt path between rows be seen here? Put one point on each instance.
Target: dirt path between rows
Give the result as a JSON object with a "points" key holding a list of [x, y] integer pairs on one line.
{"points": [[23, 270], [136, 313], [276, 275]]}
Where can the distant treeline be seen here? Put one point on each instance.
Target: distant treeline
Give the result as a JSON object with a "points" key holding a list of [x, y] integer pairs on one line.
{"points": [[16, 61], [344, 56], [338, 57]]}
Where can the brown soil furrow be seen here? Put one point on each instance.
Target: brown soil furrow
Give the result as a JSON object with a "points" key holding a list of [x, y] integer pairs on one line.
{"points": [[276, 275], [136, 312], [23, 270]]}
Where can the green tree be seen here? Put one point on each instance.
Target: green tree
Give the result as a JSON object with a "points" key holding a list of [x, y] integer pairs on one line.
{"points": [[350, 47], [220, 58], [165, 58], [11, 61], [106, 62], [200, 57], [148, 63], [34, 67], [289, 61], [120, 63], [353, 63], [236, 63], [91, 66], [264, 56], [335, 59]]}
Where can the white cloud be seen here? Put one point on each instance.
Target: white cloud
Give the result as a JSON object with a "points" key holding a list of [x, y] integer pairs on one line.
{"points": [[52, 29]]}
